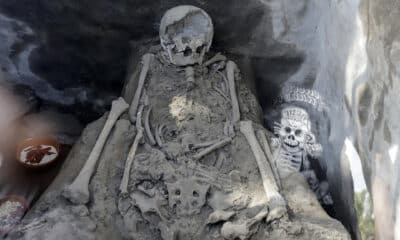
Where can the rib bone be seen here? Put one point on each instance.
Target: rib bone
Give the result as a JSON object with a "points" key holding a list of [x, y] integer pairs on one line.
{"points": [[147, 127], [213, 147], [159, 134], [78, 191], [146, 60], [264, 143], [132, 152], [230, 69], [274, 199]]}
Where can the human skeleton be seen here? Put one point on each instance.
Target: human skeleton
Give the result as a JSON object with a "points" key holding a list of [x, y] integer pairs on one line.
{"points": [[169, 152]]}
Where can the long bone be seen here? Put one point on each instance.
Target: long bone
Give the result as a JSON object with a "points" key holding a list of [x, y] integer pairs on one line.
{"points": [[264, 143], [211, 148], [78, 191], [217, 58], [147, 127], [230, 69], [274, 199], [203, 144], [146, 60], [132, 152]]}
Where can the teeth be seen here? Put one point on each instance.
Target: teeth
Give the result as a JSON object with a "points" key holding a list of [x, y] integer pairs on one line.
{"points": [[291, 142]]}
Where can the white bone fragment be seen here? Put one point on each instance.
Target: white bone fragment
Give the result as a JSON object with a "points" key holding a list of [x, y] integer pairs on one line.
{"points": [[78, 191], [190, 77], [220, 216], [157, 135], [217, 58], [132, 152], [220, 160], [229, 129], [149, 134], [146, 60], [274, 199], [233, 231], [213, 147], [203, 144], [230, 69], [225, 80], [221, 93], [270, 157]]}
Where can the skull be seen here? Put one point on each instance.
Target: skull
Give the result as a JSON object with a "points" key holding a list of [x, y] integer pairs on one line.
{"points": [[186, 34], [294, 130], [187, 196]]}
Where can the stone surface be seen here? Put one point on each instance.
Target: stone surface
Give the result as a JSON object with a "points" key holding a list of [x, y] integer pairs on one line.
{"points": [[376, 106]]}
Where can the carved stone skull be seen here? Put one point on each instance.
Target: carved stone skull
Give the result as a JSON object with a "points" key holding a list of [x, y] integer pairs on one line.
{"points": [[187, 196], [186, 34], [294, 129]]}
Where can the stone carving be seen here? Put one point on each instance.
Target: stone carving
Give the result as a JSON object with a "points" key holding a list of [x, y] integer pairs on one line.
{"points": [[311, 97], [296, 144]]}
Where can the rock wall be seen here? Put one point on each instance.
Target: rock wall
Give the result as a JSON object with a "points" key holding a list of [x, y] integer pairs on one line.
{"points": [[375, 110], [74, 54]]}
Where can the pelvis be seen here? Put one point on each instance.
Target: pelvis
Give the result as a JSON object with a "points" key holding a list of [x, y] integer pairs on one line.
{"points": [[187, 195]]}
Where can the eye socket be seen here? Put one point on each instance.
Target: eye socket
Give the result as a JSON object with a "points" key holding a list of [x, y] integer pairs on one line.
{"points": [[199, 49], [288, 130], [177, 192], [187, 52], [298, 132], [195, 194]]}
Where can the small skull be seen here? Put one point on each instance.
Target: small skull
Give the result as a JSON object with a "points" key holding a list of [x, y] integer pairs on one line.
{"points": [[294, 130], [186, 34], [187, 196]]}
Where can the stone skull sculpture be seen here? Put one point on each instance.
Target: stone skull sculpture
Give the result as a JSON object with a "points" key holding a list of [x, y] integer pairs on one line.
{"points": [[294, 129], [186, 34]]}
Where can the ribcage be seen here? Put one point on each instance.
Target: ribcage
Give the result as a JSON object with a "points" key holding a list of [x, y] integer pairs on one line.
{"points": [[289, 162]]}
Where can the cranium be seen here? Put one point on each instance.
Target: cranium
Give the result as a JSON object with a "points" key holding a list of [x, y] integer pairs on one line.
{"points": [[186, 34], [294, 130]]}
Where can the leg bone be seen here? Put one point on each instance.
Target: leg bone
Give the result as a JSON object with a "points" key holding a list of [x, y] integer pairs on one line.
{"points": [[264, 142], [275, 200], [146, 60], [230, 69], [78, 191], [132, 152]]}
